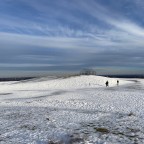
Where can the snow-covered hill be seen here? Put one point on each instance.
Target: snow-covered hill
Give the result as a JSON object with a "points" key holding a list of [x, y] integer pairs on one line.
{"points": [[72, 110], [63, 83]]}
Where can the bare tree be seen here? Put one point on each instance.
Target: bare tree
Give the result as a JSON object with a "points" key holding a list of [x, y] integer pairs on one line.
{"points": [[87, 72]]}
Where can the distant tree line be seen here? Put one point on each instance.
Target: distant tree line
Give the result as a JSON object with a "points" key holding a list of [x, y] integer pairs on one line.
{"points": [[15, 79], [124, 76], [87, 72]]}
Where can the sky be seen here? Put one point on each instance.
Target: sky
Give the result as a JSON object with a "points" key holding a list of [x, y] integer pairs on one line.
{"points": [[48, 36]]}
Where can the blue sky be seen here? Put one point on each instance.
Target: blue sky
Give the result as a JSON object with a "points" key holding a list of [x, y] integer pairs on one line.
{"points": [[46, 36]]}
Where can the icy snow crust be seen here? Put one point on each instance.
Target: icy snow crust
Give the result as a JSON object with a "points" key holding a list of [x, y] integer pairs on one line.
{"points": [[72, 110]]}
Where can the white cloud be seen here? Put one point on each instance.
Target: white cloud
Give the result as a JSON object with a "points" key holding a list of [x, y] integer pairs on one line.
{"points": [[52, 42]]}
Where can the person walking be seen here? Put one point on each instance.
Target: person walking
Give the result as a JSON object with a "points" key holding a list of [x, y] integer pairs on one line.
{"points": [[117, 82], [107, 83]]}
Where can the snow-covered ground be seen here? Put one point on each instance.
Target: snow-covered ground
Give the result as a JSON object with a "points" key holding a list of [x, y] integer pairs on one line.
{"points": [[72, 110]]}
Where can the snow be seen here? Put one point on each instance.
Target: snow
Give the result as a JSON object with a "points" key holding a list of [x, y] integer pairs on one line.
{"points": [[72, 110]]}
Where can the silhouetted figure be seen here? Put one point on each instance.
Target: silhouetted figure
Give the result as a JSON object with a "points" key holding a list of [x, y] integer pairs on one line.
{"points": [[117, 82], [107, 83]]}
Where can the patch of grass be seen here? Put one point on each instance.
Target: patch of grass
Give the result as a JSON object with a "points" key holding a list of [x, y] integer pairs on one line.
{"points": [[118, 133], [133, 130], [52, 142], [102, 130], [29, 127], [76, 140]]}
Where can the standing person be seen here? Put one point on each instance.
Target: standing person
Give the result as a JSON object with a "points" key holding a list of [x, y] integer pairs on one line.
{"points": [[117, 82], [107, 83]]}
